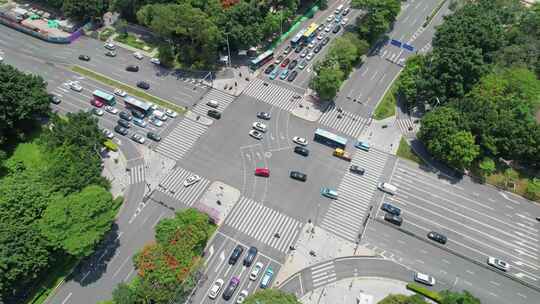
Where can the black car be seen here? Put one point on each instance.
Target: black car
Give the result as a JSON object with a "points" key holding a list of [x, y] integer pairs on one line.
{"points": [[236, 254], [394, 219], [125, 115], [298, 176], [121, 130], [301, 150], [391, 209], [264, 115], [269, 68], [84, 57], [336, 29], [357, 170], [153, 136], [299, 49], [143, 85], [437, 237], [54, 99], [132, 68], [231, 288], [214, 114], [292, 76], [317, 49], [325, 40], [293, 64], [124, 123], [137, 114], [250, 256], [321, 27], [346, 11]]}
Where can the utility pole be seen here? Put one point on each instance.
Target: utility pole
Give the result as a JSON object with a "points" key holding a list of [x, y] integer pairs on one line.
{"points": [[228, 50]]}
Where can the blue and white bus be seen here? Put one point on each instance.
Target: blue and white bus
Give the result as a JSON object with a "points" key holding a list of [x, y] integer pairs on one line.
{"points": [[329, 139], [297, 39]]}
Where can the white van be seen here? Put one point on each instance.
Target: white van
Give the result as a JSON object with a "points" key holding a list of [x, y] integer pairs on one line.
{"points": [[388, 188], [338, 9], [212, 103], [160, 115]]}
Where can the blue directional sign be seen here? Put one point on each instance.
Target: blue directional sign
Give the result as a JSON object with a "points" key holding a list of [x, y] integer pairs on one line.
{"points": [[408, 47], [395, 42]]}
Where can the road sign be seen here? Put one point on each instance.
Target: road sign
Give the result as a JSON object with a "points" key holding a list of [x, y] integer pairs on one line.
{"points": [[395, 42], [408, 47]]}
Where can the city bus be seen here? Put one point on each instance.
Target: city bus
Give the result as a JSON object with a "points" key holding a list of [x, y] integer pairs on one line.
{"points": [[297, 39], [138, 105], [261, 59], [330, 139], [104, 97], [311, 32]]}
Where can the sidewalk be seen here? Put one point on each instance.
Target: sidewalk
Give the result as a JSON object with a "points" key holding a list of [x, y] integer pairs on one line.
{"points": [[383, 135], [233, 80], [309, 108], [365, 290], [114, 169]]}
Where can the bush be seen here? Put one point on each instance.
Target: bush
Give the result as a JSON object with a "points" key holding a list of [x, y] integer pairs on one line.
{"points": [[533, 189], [106, 34], [433, 295]]}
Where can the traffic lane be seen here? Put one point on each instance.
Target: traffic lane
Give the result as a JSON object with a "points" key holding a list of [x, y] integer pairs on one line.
{"points": [[450, 271], [412, 18], [219, 268]]}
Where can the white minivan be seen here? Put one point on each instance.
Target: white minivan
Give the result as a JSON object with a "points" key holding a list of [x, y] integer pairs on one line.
{"points": [[388, 188]]}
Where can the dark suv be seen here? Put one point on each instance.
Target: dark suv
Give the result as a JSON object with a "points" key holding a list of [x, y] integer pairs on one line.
{"points": [[250, 257], [391, 209], [301, 150], [437, 237], [125, 115], [124, 123], [121, 130], [214, 114], [235, 255], [394, 219], [132, 68]]}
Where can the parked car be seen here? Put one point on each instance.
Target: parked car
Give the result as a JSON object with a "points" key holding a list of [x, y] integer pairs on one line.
{"points": [[121, 130], [267, 278], [304, 54], [153, 136], [171, 113], [143, 85], [124, 123], [84, 57], [437, 237], [250, 256], [300, 141], [302, 64], [139, 122], [215, 289], [256, 134], [120, 93], [137, 114], [387, 207], [346, 11], [293, 64], [274, 74], [292, 76], [96, 103], [54, 99], [285, 62], [241, 296], [97, 111], [298, 176], [256, 270], [284, 74], [336, 29], [109, 46], [156, 122], [137, 138], [155, 61], [108, 133], [236, 254], [269, 69], [317, 48], [214, 114], [394, 219], [279, 59], [259, 126], [325, 41], [132, 68], [298, 49], [424, 278], [231, 288], [287, 49], [330, 18], [138, 55], [498, 263], [330, 193], [310, 56]]}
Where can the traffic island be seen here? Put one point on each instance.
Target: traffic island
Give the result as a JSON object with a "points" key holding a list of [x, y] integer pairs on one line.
{"points": [[218, 201]]}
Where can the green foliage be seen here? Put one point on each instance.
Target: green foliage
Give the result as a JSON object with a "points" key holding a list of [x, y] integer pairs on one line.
{"points": [[533, 189], [327, 82], [402, 299], [380, 16], [84, 9], [408, 79], [433, 295], [22, 98], [121, 27], [405, 151], [271, 296], [77, 222], [124, 294], [450, 297], [487, 166], [166, 55]]}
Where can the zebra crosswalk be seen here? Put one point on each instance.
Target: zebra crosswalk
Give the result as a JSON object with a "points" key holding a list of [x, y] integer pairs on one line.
{"points": [[323, 274], [181, 139], [173, 185], [262, 223], [137, 174], [345, 215], [407, 126], [222, 98], [345, 122], [273, 94]]}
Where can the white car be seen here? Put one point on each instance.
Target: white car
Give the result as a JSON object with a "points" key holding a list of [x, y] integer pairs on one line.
{"points": [[256, 270], [310, 56], [156, 122], [120, 93], [330, 18], [214, 290], [111, 110], [328, 28], [1, 58], [75, 86], [259, 126], [138, 138], [424, 278], [155, 61], [311, 45], [344, 21], [241, 296], [171, 113], [192, 180], [320, 37], [138, 55], [108, 133], [153, 106], [300, 140], [109, 46], [256, 134], [499, 264]]}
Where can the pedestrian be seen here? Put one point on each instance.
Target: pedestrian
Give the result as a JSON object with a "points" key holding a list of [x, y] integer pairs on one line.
{"points": [[235, 84], [240, 74]]}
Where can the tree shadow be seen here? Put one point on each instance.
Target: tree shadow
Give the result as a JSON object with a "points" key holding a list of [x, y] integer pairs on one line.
{"points": [[431, 165]]}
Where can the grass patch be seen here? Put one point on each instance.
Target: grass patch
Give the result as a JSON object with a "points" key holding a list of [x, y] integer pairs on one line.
{"points": [[387, 107], [499, 180], [105, 34], [433, 295], [51, 278], [133, 41], [405, 151], [29, 154], [129, 89]]}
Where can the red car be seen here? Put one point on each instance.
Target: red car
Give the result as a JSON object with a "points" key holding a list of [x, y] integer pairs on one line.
{"points": [[96, 103], [285, 62], [265, 172]]}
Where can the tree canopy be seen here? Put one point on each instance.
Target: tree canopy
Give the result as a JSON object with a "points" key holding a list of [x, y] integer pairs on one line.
{"points": [[380, 16]]}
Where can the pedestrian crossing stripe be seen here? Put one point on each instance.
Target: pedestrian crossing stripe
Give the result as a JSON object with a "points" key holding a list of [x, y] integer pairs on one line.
{"points": [[345, 215], [173, 185], [222, 98], [137, 174], [345, 122], [407, 126], [263, 223], [181, 139], [275, 95]]}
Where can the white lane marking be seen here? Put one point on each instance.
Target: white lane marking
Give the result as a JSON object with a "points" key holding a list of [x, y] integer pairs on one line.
{"points": [[67, 298], [121, 266]]}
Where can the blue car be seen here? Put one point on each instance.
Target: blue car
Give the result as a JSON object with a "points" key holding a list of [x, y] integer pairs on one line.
{"points": [[362, 145], [139, 122], [274, 74], [330, 193], [284, 74], [267, 278]]}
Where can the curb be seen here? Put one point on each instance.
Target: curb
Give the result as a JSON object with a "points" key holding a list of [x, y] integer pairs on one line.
{"points": [[454, 252]]}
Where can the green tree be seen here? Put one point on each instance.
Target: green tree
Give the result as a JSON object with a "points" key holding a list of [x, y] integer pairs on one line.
{"points": [[346, 50], [122, 28], [323, 4], [461, 150], [22, 98], [327, 82], [449, 297], [77, 222], [85, 9], [406, 83], [487, 166], [123, 294], [402, 299], [381, 14], [533, 189], [79, 129], [166, 55], [271, 296]]}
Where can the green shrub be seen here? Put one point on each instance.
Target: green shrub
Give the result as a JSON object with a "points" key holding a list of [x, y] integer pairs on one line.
{"points": [[433, 295]]}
